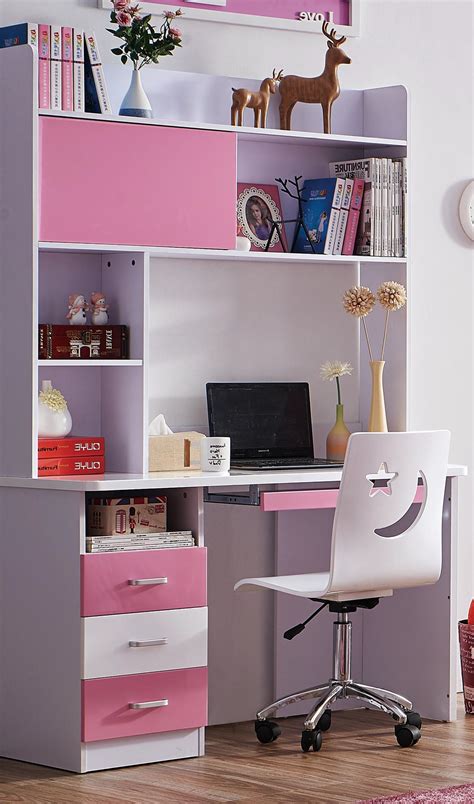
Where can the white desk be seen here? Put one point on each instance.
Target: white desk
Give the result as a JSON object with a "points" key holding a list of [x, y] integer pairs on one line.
{"points": [[408, 643]]}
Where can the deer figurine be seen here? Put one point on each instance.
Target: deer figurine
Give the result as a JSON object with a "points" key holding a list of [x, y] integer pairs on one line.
{"points": [[258, 101], [323, 89]]}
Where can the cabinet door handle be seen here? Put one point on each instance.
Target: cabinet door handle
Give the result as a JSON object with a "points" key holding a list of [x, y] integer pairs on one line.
{"points": [[148, 704], [148, 643], [147, 581]]}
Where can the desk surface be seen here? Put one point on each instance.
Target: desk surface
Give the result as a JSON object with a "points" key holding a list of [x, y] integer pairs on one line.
{"points": [[170, 480]]}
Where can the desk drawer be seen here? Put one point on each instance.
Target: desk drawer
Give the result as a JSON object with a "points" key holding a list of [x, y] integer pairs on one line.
{"points": [[148, 580], [179, 637], [147, 703]]}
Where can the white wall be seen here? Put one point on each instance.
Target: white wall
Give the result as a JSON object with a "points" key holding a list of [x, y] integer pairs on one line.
{"points": [[430, 50]]}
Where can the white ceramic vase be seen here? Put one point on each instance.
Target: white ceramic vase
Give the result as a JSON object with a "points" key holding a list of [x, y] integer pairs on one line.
{"points": [[135, 102], [52, 423]]}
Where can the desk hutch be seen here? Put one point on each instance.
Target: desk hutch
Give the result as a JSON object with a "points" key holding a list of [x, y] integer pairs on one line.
{"points": [[93, 203]]}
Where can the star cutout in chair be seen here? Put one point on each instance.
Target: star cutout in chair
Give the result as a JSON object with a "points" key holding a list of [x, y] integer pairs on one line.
{"points": [[381, 482]]}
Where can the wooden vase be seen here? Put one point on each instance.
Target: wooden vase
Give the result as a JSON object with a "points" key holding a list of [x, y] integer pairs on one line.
{"points": [[377, 417], [338, 436]]}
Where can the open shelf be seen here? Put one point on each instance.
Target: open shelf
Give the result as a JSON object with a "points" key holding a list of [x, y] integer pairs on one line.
{"points": [[215, 254], [247, 132]]}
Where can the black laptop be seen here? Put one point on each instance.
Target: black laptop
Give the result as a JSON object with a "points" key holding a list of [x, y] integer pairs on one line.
{"points": [[269, 424]]}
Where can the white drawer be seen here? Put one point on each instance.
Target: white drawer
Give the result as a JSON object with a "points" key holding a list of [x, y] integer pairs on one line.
{"points": [[115, 645]]}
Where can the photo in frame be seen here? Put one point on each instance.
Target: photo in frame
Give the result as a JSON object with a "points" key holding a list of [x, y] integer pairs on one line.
{"points": [[258, 205]]}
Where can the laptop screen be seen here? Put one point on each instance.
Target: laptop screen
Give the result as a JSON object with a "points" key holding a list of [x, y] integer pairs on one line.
{"points": [[263, 419]]}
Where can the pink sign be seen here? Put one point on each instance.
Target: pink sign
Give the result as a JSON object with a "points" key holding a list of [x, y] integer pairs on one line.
{"points": [[280, 12]]}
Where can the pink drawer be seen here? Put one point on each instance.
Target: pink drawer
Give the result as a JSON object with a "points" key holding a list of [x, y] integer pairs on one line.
{"points": [[126, 183], [152, 580], [148, 703], [308, 499]]}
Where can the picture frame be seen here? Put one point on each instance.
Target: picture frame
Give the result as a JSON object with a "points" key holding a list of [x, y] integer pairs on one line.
{"points": [[258, 205], [343, 14]]}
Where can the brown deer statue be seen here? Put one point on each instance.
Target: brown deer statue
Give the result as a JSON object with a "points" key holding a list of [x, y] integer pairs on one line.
{"points": [[323, 89], [258, 101]]}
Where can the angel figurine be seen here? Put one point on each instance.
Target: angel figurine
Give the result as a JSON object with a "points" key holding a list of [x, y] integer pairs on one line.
{"points": [[77, 309], [99, 309]]}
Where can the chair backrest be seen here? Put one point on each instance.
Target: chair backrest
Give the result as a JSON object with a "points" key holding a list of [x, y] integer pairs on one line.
{"points": [[380, 540]]}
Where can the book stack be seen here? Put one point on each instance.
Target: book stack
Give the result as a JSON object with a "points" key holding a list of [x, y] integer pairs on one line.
{"points": [[83, 342], [71, 456], [144, 541], [331, 212], [70, 72], [382, 226]]}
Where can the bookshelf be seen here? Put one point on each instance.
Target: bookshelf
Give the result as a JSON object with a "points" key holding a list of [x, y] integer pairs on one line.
{"points": [[77, 220]]}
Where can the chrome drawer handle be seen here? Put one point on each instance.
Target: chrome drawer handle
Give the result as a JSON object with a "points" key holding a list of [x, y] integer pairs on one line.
{"points": [[148, 704], [148, 643], [147, 581]]}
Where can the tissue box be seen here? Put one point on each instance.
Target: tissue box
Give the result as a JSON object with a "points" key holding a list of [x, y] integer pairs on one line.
{"points": [[118, 515], [170, 453]]}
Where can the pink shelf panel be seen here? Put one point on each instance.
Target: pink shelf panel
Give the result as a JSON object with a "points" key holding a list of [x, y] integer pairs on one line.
{"points": [[307, 499], [106, 711], [119, 183], [106, 587]]}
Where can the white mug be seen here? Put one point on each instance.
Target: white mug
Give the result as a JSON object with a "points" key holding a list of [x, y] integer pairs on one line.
{"points": [[215, 454]]}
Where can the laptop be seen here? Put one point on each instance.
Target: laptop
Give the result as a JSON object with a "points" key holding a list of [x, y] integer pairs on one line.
{"points": [[269, 424]]}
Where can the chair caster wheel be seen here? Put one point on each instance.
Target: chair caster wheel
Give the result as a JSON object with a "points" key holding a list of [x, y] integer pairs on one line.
{"points": [[311, 739], [414, 719], [407, 735], [267, 731], [324, 722]]}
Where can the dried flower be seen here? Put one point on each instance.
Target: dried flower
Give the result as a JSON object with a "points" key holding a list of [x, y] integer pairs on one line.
{"points": [[392, 295], [53, 398], [359, 301], [331, 370]]}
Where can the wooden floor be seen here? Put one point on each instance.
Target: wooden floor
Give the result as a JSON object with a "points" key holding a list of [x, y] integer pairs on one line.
{"points": [[359, 760]]}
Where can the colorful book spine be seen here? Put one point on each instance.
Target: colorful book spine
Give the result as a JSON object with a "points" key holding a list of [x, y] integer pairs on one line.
{"points": [[364, 168], [44, 67], [25, 33], [97, 98], [52, 467], [334, 216], [67, 70], [343, 216], [70, 447], [353, 217], [56, 73], [78, 70]]}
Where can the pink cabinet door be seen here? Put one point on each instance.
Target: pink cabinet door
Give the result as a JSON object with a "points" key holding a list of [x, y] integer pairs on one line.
{"points": [[133, 184], [148, 580], [147, 703]]}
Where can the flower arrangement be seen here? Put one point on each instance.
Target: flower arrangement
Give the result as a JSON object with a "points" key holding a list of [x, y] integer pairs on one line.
{"points": [[142, 42], [360, 301], [53, 399], [333, 371]]}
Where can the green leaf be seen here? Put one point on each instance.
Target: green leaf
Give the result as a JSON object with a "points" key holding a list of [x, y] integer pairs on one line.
{"points": [[117, 51], [123, 58]]}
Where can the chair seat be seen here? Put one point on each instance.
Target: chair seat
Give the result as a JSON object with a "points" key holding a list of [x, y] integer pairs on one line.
{"points": [[310, 585]]}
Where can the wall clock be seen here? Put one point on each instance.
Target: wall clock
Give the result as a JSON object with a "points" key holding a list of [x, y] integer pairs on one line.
{"points": [[466, 210]]}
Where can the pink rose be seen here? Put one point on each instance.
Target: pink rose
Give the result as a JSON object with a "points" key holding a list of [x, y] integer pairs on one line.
{"points": [[175, 33], [170, 15], [120, 5], [124, 19]]}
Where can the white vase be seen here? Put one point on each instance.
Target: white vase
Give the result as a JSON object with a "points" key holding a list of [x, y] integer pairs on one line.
{"points": [[135, 102], [52, 423]]}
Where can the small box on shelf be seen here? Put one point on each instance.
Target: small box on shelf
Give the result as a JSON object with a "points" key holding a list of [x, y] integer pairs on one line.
{"points": [[173, 452], [83, 342]]}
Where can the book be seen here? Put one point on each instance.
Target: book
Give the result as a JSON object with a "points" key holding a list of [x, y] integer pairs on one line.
{"points": [[23, 33], [353, 217], [44, 67], [83, 342], [343, 215], [56, 68], [70, 446], [67, 82], [150, 541], [322, 202], [364, 168], [52, 467], [96, 95], [385, 246], [78, 70]]}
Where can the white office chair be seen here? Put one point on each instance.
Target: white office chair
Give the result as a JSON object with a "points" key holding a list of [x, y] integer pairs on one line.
{"points": [[380, 542]]}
